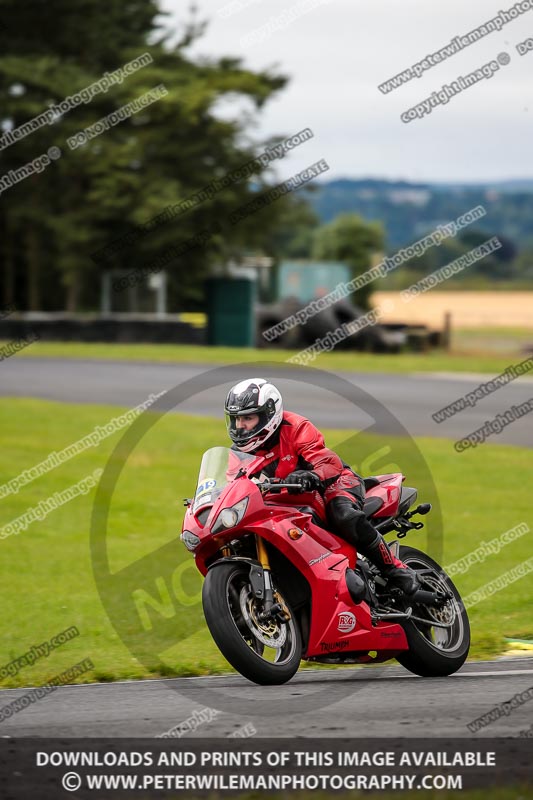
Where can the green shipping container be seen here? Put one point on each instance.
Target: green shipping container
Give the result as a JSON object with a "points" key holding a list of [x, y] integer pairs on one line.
{"points": [[307, 280], [230, 312]]}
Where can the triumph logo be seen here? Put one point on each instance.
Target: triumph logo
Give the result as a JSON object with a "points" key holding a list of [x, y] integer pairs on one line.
{"points": [[330, 647], [346, 622]]}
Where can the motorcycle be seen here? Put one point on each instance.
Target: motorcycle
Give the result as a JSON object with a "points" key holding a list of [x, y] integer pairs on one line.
{"points": [[281, 587]]}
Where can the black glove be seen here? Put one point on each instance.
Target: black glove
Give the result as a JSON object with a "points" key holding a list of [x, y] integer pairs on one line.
{"points": [[307, 480]]}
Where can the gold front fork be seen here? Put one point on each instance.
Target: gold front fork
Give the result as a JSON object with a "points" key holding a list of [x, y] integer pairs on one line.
{"points": [[262, 554], [282, 611]]}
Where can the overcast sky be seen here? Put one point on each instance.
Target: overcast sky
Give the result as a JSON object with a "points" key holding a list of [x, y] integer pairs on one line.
{"points": [[337, 52]]}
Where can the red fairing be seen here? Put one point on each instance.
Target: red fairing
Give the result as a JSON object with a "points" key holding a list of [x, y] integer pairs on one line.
{"points": [[389, 491], [336, 623]]}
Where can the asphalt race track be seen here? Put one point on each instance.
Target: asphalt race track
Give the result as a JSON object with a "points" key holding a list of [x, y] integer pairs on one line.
{"points": [[384, 701], [411, 399]]}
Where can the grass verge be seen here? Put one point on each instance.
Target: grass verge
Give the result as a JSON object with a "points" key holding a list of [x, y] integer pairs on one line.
{"points": [[463, 360]]}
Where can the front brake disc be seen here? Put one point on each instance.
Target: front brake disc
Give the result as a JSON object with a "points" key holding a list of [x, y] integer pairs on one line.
{"points": [[266, 633]]}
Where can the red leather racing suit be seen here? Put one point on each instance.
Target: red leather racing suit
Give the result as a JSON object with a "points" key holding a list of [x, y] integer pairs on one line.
{"points": [[300, 445]]}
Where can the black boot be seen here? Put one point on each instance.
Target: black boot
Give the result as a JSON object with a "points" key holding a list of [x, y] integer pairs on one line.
{"points": [[395, 571]]}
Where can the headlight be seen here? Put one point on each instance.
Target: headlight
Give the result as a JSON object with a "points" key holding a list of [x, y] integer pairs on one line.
{"points": [[190, 540], [229, 517]]}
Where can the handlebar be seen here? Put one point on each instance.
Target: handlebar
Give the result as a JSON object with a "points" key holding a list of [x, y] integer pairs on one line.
{"points": [[277, 485]]}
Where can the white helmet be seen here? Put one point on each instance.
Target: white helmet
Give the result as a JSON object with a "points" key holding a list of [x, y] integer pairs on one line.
{"points": [[253, 396]]}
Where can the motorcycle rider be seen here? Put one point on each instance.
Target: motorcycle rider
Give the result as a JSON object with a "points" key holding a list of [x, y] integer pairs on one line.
{"points": [[295, 452]]}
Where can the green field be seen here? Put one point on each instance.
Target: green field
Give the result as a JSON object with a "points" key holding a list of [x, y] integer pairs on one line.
{"points": [[47, 575], [468, 356]]}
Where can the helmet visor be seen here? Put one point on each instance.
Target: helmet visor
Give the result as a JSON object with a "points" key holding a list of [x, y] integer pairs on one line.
{"points": [[241, 428]]}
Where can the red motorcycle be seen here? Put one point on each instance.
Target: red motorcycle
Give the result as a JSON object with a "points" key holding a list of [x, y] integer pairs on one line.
{"points": [[280, 586]]}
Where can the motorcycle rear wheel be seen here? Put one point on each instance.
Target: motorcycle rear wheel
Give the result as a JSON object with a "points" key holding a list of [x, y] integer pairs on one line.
{"points": [[434, 651], [265, 652]]}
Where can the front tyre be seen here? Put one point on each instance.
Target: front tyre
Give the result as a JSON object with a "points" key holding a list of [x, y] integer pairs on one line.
{"points": [[265, 652], [434, 651]]}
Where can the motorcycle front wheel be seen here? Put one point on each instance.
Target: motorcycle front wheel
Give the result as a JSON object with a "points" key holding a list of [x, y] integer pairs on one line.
{"points": [[267, 652], [439, 639]]}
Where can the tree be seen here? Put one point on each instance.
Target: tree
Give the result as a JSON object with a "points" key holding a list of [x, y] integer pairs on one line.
{"points": [[352, 240], [53, 221], [500, 265], [293, 237]]}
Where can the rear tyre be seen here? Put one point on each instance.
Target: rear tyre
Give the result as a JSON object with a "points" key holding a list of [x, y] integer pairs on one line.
{"points": [[434, 651], [266, 652]]}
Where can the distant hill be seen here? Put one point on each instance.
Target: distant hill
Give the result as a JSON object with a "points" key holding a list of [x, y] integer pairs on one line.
{"points": [[410, 210]]}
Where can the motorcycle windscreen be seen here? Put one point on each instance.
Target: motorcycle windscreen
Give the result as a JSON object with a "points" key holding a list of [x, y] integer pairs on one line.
{"points": [[219, 466]]}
